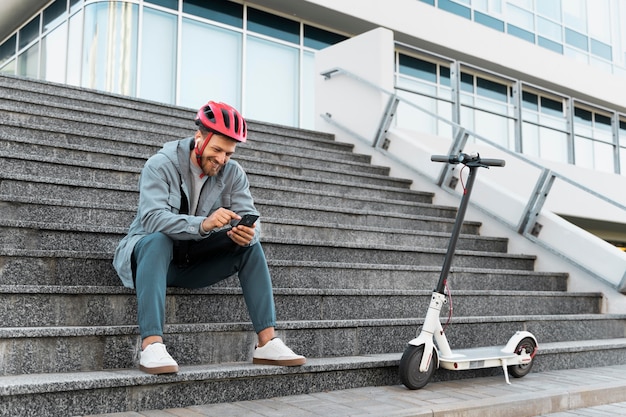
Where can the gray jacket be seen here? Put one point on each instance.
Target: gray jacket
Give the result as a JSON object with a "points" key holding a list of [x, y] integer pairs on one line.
{"points": [[164, 186]]}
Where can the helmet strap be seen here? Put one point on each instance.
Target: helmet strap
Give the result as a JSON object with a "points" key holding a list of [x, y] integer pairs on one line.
{"points": [[200, 150]]}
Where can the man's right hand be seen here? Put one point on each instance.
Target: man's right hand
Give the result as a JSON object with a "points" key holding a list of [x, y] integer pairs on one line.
{"points": [[219, 218]]}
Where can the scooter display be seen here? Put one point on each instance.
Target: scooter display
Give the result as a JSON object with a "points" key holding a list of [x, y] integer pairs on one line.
{"points": [[430, 349]]}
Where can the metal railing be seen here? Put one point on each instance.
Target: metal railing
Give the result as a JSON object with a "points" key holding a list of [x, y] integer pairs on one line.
{"points": [[527, 224]]}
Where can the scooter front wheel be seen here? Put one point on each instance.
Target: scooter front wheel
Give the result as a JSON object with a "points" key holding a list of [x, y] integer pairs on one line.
{"points": [[410, 374], [526, 345]]}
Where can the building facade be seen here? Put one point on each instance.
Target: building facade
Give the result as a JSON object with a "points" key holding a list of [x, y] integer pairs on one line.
{"points": [[259, 56]]}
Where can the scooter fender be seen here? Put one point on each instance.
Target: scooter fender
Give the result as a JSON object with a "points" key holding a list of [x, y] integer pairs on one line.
{"points": [[515, 339], [426, 340]]}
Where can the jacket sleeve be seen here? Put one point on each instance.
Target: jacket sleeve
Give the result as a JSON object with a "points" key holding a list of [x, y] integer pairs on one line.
{"points": [[160, 200], [241, 199]]}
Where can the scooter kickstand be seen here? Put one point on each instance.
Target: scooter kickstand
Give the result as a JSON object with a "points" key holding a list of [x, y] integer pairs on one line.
{"points": [[506, 371]]}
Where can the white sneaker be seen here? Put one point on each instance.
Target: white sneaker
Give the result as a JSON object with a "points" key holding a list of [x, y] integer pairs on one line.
{"points": [[275, 352], [155, 360]]}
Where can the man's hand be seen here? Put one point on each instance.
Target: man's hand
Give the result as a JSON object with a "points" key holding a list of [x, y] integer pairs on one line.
{"points": [[219, 218], [242, 235]]}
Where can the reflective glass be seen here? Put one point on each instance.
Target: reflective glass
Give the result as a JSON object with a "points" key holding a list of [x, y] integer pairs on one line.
{"points": [[110, 47], [7, 49], [202, 78], [455, 8], [551, 107], [273, 26], [521, 18], [520, 33], [54, 14], [576, 39], [29, 33], [601, 49], [170, 4], [418, 68], [308, 115], [272, 85], [222, 11], [9, 67], [28, 62], [548, 44], [574, 15], [158, 56], [408, 117], [489, 21], [53, 55], [550, 30], [530, 101], [550, 9], [599, 20], [319, 38], [467, 82], [553, 145], [74, 47], [491, 89], [530, 139]]}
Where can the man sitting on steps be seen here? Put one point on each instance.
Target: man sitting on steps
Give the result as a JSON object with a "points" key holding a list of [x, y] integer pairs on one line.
{"points": [[190, 193]]}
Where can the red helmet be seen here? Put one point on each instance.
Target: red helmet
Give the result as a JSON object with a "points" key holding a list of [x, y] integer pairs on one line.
{"points": [[222, 119]]}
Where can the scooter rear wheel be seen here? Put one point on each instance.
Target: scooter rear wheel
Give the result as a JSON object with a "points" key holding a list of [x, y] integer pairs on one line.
{"points": [[526, 345], [410, 374]]}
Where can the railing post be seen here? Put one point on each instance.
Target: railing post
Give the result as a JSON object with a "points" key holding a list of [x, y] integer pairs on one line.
{"points": [[458, 143], [385, 122], [535, 204]]}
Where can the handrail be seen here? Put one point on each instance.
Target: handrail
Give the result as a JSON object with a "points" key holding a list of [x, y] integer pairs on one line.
{"points": [[527, 225]]}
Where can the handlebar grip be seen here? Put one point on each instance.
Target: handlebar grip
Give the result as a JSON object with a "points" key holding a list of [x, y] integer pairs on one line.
{"points": [[492, 162], [442, 158]]}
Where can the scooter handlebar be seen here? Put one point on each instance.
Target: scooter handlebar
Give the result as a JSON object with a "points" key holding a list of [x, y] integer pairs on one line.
{"points": [[466, 159]]}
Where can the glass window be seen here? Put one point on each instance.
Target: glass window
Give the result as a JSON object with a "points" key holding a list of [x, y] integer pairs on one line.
{"points": [[272, 85], [550, 30], [159, 34], [550, 9], [444, 76], [110, 47], [274, 26], [431, 2], [53, 55], [28, 62], [7, 49], [491, 89], [574, 15], [170, 4], [222, 11], [530, 101], [54, 14], [576, 39], [317, 38], [200, 79], [551, 45], [520, 18], [489, 21], [520, 33], [599, 20], [9, 68], [308, 116], [74, 48], [551, 107], [601, 49], [467, 82], [75, 5], [29, 33], [418, 68], [455, 8]]}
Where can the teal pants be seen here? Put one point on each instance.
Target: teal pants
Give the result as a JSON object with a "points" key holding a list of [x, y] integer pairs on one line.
{"points": [[154, 271]]}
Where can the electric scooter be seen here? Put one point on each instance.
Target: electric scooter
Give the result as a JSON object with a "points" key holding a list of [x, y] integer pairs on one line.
{"points": [[430, 349]]}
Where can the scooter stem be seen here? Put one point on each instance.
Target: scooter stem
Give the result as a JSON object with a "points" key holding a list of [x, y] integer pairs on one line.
{"points": [[456, 231]]}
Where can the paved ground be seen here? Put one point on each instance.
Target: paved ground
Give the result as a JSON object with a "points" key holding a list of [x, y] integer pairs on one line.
{"points": [[589, 392]]}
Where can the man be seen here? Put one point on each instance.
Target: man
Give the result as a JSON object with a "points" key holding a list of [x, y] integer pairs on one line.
{"points": [[190, 194]]}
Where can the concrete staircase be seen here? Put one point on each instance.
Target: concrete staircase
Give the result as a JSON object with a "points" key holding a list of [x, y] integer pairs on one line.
{"points": [[354, 255]]}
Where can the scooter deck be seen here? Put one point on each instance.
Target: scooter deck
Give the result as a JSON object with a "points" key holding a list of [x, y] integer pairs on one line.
{"points": [[482, 357]]}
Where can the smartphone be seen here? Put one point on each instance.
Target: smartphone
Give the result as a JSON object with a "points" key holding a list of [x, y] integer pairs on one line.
{"points": [[247, 220]]}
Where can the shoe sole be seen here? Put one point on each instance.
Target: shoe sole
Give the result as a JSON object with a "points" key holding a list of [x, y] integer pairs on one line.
{"points": [[285, 362], [171, 369]]}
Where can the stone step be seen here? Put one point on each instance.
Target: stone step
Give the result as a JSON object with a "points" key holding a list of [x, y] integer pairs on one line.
{"points": [[91, 269], [321, 251], [377, 186], [36, 306], [91, 348], [120, 390], [64, 142]]}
